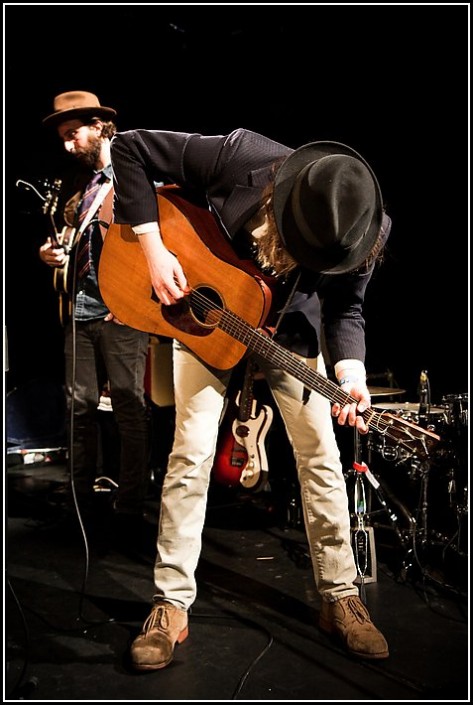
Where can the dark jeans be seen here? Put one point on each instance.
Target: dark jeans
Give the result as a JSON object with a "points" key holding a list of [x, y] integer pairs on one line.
{"points": [[107, 351]]}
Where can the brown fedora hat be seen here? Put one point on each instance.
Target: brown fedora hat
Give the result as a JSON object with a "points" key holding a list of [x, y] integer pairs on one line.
{"points": [[73, 104], [328, 207]]}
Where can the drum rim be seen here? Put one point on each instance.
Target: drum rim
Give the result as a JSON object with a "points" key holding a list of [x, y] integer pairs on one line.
{"points": [[412, 407]]}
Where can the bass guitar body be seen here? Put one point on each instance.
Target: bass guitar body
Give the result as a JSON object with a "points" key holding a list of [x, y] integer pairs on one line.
{"points": [[241, 459]]}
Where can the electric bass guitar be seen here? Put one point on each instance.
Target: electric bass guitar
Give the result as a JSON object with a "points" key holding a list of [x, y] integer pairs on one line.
{"points": [[223, 315], [241, 457]]}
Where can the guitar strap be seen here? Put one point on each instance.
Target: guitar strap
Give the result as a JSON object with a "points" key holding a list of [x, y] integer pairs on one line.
{"points": [[274, 329], [95, 205], [285, 307], [105, 212]]}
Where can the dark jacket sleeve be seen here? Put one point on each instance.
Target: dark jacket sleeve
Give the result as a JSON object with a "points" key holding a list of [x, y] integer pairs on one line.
{"points": [[342, 310], [230, 171], [142, 158]]}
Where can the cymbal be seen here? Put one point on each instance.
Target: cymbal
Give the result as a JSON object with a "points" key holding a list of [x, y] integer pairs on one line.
{"points": [[385, 391]]}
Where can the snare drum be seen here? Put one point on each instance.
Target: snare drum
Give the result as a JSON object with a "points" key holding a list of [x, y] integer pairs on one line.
{"points": [[433, 420]]}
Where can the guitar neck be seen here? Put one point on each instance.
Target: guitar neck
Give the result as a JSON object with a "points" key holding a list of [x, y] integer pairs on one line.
{"points": [[54, 233], [246, 398], [258, 342], [409, 436]]}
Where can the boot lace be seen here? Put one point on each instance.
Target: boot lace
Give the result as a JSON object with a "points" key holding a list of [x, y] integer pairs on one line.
{"points": [[357, 609], [158, 618]]}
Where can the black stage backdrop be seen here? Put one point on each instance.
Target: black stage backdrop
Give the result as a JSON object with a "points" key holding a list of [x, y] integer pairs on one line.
{"points": [[389, 80]]}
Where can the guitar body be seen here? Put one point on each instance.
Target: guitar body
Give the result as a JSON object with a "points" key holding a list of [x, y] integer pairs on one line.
{"points": [[65, 239], [240, 459], [251, 434], [65, 308], [214, 272], [62, 275]]}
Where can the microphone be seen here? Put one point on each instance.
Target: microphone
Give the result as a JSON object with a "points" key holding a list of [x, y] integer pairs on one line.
{"points": [[424, 394]]}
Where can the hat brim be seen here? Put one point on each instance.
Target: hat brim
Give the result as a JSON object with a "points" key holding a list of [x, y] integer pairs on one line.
{"points": [[63, 115], [297, 246]]}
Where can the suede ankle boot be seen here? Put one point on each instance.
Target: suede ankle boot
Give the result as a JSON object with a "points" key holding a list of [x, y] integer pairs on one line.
{"points": [[154, 647], [350, 621]]}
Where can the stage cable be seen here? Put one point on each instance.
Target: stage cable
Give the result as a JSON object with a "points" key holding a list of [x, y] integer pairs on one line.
{"points": [[82, 592], [249, 622]]}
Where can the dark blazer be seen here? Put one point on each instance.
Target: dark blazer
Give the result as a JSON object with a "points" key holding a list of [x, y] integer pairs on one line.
{"points": [[231, 172]]}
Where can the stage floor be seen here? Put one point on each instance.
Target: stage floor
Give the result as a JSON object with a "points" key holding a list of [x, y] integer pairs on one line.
{"points": [[72, 607]]}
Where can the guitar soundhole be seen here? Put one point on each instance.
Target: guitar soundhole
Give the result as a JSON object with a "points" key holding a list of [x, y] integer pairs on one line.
{"points": [[206, 306]]}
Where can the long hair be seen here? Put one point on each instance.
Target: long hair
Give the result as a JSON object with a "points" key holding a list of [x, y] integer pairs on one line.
{"points": [[271, 254]]}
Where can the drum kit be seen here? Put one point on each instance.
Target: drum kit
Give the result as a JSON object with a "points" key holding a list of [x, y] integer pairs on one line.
{"points": [[423, 499]]}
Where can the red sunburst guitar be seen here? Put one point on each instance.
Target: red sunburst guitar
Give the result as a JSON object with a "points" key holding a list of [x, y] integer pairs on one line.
{"points": [[241, 457], [225, 311]]}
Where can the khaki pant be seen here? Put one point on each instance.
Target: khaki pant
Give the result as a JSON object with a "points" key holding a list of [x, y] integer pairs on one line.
{"points": [[199, 395]]}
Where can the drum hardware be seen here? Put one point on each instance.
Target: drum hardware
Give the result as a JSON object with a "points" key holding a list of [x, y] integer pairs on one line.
{"points": [[385, 498], [388, 451], [425, 498], [424, 504], [456, 409]]}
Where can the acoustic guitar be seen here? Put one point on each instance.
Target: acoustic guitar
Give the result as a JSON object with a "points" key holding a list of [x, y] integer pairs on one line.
{"points": [[224, 314]]}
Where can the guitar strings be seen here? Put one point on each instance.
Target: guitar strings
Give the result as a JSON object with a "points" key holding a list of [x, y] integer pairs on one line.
{"points": [[213, 315]]}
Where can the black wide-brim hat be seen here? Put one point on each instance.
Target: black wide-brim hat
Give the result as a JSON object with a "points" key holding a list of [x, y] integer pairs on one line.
{"points": [[328, 207], [77, 104]]}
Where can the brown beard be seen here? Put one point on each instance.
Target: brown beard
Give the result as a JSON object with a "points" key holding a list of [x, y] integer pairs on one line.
{"points": [[89, 155]]}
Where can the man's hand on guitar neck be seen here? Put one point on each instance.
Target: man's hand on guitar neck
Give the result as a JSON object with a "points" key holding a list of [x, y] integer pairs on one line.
{"points": [[52, 256], [350, 413], [351, 375]]}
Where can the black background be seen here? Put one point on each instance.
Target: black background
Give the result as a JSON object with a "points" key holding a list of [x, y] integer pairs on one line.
{"points": [[389, 80]]}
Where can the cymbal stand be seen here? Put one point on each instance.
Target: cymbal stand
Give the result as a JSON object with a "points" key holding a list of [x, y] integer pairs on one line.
{"points": [[360, 547], [363, 545], [424, 503], [360, 466]]}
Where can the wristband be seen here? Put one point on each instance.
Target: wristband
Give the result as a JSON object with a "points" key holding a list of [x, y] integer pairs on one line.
{"points": [[348, 380]]}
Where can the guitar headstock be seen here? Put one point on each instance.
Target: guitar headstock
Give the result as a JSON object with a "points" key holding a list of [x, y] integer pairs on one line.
{"points": [[412, 438], [51, 196]]}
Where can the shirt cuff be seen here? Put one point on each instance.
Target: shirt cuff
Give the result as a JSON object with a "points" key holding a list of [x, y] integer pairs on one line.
{"points": [[145, 228], [350, 371]]}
